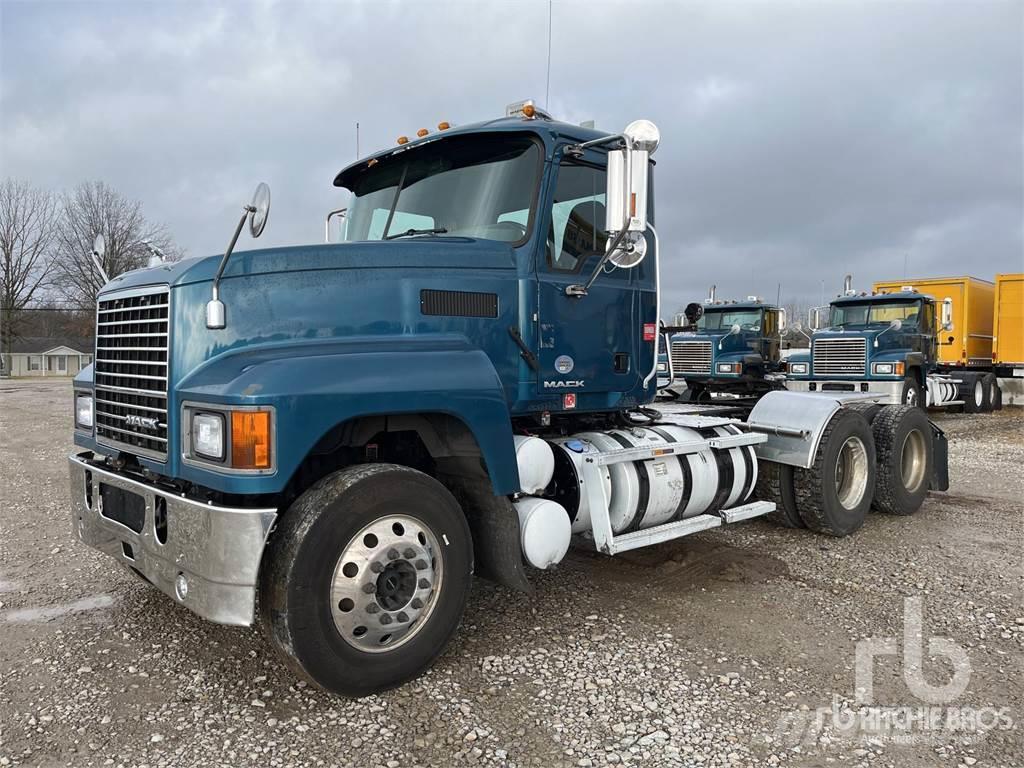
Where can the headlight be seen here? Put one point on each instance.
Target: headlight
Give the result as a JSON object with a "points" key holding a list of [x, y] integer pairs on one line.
{"points": [[887, 369], [799, 369], [662, 367], [83, 411], [728, 367], [208, 435]]}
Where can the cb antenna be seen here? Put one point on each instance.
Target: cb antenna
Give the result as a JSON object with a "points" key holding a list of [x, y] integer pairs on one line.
{"points": [[547, 87]]}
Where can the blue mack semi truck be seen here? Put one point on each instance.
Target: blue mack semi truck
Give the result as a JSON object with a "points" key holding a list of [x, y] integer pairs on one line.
{"points": [[724, 346], [882, 344], [330, 440]]}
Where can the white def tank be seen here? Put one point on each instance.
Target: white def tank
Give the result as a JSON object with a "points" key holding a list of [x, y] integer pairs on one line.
{"points": [[536, 462], [544, 530]]}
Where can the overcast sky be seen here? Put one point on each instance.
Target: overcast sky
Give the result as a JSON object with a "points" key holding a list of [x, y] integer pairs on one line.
{"points": [[800, 141]]}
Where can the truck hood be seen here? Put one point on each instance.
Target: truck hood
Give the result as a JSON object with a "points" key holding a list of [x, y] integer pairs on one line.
{"points": [[405, 254]]}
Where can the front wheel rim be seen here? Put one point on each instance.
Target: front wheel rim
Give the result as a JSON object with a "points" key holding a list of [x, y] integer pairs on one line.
{"points": [[912, 396], [385, 584], [851, 472]]}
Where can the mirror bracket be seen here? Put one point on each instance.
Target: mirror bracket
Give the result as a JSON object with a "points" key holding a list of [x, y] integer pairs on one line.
{"points": [[216, 315]]}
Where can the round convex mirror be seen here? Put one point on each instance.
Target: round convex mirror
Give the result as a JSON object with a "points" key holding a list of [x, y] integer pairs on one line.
{"points": [[99, 246], [261, 205], [631, 250]]}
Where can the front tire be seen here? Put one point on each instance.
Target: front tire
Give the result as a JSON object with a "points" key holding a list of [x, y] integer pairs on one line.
{"points": [[911, 394], [366, 577], [834, 495]]}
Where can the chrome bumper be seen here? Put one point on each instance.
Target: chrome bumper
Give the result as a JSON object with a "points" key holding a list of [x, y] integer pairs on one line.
{"points": [[216, 549], [886, 392]]}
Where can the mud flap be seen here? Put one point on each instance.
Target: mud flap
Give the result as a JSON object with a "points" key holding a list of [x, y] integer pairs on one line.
{"points": [[494, 524], [940, 459]]}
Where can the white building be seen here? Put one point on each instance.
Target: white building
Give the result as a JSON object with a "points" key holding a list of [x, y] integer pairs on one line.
{"points": [[46, 356]]}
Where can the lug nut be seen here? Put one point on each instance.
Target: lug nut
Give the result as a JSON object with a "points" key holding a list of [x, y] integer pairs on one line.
{"points": [[392, 554], [421, 565], [376, 566], [424, 584], [401, 618], [409, 553], [416, 603], [385, 619], [372, 608], [369, 588]]}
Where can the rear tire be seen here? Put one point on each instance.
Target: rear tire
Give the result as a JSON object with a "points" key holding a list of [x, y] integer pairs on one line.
{"points": [[775, 483], [366, 577], [903, 445], [834, 495], [868, 410], [991, 392], [973, 394]]}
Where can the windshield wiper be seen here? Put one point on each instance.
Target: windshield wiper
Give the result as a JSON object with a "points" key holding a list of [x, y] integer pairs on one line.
{"points": [[413, 232]]}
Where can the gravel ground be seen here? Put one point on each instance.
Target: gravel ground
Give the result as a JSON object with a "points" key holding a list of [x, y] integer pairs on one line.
{"points": [[690, 653]]}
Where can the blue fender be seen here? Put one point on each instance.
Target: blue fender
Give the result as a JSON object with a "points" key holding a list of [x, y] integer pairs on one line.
{"points": [[317, 384]]}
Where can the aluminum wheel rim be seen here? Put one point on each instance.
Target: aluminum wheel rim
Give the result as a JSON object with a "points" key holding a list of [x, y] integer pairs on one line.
{"points": [[979, 394], [912, 460], [385, 583], [851, 475], [911, 396]]}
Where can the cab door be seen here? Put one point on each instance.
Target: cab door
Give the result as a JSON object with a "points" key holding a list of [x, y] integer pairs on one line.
{"points": [[587, 345]]}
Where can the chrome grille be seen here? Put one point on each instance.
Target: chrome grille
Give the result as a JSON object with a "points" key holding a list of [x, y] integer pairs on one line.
{"points": [[691, 357], [131, 371], [839, 357]]}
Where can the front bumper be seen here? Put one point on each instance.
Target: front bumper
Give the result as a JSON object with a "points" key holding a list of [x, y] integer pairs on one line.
{"points": [[888, 392], [217, 549]]}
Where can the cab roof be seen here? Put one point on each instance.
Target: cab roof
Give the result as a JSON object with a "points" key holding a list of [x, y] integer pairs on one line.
{"points": [[864, 296], [729, 306], [548, 130]]}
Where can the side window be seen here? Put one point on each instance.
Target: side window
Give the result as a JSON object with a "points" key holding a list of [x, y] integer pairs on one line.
{"points": [[928, 319], [577, 217]]}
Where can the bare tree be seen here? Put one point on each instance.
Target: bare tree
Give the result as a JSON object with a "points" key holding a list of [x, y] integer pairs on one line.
{"points": [[27, 232], [94, 208]]}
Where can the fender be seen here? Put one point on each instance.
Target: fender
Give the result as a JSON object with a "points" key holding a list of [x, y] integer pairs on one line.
{"points": [[315, 385]]}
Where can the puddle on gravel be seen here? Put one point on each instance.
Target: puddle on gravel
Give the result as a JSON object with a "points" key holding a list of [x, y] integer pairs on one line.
{"points": [[51, 612]]}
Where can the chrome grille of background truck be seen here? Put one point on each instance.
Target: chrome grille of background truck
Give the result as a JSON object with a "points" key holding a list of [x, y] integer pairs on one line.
{"points": [[839, 357], [691, 357], [131, 370]]}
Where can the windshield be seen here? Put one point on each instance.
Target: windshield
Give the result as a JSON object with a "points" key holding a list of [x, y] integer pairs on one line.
{"points": [[845, 315], [746, 319], [471, 186]]}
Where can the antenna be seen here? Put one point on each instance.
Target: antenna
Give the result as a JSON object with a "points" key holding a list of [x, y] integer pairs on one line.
{"points": [[547, 87], [357, 139]]}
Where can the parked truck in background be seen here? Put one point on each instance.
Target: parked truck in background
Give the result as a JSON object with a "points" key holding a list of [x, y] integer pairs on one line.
{"points": [[922, 343], [1008, 336], [329, 440], [726, 346]]}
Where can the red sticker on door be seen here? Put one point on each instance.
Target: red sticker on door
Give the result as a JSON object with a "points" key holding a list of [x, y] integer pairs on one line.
{"points": [[650, 331]]}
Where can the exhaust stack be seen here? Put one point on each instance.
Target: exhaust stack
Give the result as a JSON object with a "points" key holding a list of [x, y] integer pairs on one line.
{"points": [[848, 285], [711, 295]]}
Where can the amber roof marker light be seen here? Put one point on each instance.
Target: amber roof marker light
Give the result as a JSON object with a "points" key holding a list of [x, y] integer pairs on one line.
{"points": [[403, 140], [422, 132], [444, 125]]}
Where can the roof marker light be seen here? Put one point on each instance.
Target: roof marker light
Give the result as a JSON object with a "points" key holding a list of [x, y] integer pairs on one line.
{"points": [[444, 125], [403, 139], [422, 132]]}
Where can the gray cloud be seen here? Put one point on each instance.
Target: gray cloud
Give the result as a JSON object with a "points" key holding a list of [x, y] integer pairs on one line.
{"points": [[800, 140]]}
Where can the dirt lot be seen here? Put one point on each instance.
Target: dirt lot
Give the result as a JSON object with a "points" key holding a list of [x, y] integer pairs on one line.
{"points": [[715, 650]]}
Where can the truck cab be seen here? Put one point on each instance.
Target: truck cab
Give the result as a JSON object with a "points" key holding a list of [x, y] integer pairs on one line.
{"points": [[728, 346], [883, 344]]}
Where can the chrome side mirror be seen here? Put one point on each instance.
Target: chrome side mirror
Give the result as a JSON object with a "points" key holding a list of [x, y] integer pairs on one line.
{"points": [[782, 319], [895, 325], [256, 212], [735, 329], [99, 249], [947, 314]]}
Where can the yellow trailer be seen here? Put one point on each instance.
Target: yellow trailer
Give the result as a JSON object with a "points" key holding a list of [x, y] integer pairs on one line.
{"points": [[1008, 325], [969, 343]]}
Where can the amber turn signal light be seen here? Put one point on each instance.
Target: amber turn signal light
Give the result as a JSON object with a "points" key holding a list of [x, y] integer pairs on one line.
{"points": [[250, 439]]}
